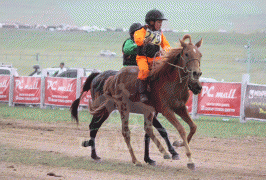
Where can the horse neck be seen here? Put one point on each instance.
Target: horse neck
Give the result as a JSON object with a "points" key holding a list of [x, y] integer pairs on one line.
{"points": [[179, 79], [173, 83]]}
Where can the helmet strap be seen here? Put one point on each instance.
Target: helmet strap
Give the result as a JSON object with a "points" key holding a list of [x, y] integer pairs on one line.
{"points": [[151, 25]]}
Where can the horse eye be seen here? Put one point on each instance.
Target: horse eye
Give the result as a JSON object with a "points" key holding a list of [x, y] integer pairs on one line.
{"points": [[186, 54]]}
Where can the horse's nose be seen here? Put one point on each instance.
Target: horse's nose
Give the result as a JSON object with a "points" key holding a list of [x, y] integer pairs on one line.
{"points": [[196, 74]]}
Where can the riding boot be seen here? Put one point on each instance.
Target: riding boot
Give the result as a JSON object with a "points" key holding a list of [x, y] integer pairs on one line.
{"points": [[142, 87]]}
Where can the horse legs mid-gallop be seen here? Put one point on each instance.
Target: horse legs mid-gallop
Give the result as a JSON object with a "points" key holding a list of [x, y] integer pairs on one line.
{"points": [[121, 97]]}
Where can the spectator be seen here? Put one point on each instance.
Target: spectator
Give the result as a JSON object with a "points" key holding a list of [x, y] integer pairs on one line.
{"points": [[62, 69]]}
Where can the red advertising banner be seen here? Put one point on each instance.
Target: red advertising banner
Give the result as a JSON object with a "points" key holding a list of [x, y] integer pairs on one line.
{"points": [[4, 88], [60, 91], [189, 102], [27, 90], [220, 99], [85, 100]]}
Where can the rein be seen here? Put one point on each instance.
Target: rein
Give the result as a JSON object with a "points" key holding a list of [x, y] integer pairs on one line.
{"points": [[185, 69]]}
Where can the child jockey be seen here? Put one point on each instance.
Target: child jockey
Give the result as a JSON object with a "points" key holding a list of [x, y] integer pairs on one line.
{"points": [[129, 48], [151, 35]]}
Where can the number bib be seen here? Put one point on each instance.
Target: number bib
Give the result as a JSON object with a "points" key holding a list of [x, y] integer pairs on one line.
{"points": [[155, 35]]}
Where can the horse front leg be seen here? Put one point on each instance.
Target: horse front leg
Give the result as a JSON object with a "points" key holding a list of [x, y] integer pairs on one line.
{"points": [[148, 120], [170, 116], [183, 113]]}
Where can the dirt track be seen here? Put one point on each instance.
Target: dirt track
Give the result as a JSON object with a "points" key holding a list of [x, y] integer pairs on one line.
{"points": [[215, 158]]}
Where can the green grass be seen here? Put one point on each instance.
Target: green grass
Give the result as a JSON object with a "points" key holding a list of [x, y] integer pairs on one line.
{"points": [[207, 126], [80, 49]]}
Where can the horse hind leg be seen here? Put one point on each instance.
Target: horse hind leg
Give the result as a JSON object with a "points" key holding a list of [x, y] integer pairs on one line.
{"points": [[163, 133], [147, 158], [126, 132], [95, 125]]}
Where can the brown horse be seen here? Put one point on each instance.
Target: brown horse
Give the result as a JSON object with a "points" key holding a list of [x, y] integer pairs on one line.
{"points": [[95, 83], [169, 84]]}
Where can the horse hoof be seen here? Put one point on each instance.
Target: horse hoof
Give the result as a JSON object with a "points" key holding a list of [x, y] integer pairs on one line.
{"points": [[95, 157], [191, 166], [166, 156], [175, 157], [177, 144], [98, 159], [138, 164], [85, 144], [150, 162]]}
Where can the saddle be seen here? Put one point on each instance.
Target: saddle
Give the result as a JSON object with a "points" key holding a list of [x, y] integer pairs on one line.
{"points": [[152, 67]]}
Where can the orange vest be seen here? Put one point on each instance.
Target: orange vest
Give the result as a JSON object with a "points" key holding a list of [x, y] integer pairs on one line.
{"points": [[143, 61], [142, 33]]}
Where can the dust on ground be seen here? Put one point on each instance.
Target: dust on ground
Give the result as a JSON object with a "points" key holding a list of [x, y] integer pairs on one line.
{"points": [[215, 158]]}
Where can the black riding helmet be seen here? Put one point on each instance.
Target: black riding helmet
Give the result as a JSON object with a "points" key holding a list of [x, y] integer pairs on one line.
{"points": [[134, 27], [154, 15]]}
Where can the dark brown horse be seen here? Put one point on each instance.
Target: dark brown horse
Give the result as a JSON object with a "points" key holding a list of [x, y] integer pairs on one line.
{"points": [[95, 83], [170, 81]]}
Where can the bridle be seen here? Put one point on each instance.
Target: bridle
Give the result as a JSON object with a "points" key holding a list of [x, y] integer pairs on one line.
{"points": [[185, 69]]}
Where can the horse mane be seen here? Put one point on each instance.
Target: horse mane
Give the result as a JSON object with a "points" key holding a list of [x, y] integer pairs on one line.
{"points": [[172, 56], [162, 66]]}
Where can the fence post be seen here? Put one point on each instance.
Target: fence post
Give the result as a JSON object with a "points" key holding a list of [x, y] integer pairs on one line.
{"points": [[244, 83], [11, 89], [195, 107], [44, 74], [79, 75]]}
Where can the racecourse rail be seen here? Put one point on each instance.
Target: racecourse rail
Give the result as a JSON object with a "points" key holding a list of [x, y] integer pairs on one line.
{"points": [[244, 100]]}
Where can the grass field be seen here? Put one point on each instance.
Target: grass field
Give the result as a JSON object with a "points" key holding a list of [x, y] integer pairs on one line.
{"points": [[207, 126], [80, 49]]}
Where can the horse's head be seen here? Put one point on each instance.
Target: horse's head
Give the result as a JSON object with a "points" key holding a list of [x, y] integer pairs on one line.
{"points": [[185, 60], [190, 60], [191, 57]]}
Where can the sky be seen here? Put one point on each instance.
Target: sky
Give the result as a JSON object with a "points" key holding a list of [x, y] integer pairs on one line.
{"points": [[191, 15]]}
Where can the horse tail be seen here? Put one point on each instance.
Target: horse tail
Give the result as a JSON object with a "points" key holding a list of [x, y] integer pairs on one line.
{"points": [[86, 87], [102, 103], [97, 108], [87, 84]]}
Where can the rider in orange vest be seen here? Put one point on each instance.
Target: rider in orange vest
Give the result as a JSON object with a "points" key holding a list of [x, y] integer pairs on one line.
{"points": [[149, 39]]}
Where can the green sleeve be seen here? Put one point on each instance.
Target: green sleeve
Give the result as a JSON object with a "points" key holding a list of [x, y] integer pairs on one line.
{"points": [[130, 47]]}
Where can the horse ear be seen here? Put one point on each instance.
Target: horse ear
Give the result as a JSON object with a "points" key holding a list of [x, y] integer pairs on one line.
{"points": [[183, 44], [198, 44]]}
